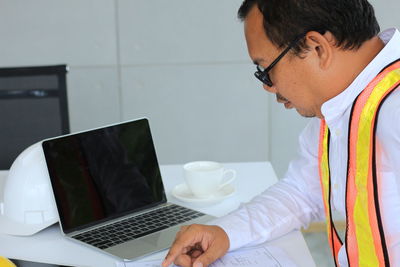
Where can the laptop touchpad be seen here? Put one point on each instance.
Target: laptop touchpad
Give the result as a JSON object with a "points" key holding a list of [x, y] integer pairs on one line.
{"points": [[132, 249]]}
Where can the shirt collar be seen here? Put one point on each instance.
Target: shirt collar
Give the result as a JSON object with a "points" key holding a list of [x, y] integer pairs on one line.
{"points": [[334, 108]]}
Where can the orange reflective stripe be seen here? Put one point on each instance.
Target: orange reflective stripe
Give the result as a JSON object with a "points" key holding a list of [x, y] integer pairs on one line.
{"points": [[365, 239]]}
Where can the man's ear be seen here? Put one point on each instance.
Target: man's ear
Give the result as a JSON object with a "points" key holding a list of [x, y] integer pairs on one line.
{"points": [[321, 46]]}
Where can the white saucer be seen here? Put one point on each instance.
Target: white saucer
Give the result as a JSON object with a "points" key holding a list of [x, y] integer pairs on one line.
{"points": [[183, 193]]}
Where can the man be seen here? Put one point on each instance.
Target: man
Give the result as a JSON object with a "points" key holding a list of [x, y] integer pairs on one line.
{"points": [[325, 59]]}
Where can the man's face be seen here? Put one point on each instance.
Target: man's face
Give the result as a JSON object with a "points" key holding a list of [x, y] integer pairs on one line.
{"points": [[291, 76]]}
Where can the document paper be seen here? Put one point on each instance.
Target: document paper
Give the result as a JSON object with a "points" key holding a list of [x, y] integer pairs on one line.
{"points": [[260, 256]]}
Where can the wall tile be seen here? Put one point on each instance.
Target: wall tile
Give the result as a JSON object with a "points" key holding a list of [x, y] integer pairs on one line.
{"points": [[53, 32], [387, 13], [160, 31], [93, 97], [197, 112]]}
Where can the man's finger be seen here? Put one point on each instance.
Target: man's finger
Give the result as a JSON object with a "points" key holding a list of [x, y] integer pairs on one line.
{"points": [[173, 253], [179, 246], [183, 261], [211, 254], [205, 259], [181, 231], [195, 253]]}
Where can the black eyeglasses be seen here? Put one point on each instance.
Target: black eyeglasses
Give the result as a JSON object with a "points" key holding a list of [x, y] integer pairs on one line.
{"points": [[263, 75]]}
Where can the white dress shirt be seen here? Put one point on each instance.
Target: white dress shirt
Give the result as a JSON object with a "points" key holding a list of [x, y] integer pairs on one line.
{"points": [[296, 200]]}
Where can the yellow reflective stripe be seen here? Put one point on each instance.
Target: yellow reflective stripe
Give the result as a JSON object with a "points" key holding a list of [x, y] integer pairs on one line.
{"points": [[325, 180], [323, 155], [364, 236]]}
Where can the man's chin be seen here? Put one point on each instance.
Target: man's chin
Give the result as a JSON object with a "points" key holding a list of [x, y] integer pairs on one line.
{"points": [[306, 114]]}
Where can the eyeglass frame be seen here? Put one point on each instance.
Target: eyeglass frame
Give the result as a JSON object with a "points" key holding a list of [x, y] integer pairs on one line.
{"points": [[263, 75]]}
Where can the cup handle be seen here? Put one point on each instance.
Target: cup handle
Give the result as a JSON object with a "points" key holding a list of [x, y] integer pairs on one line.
{"points": [[230, 180]]}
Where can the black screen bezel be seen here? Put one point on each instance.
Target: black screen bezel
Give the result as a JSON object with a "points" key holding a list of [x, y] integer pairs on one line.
{"points": [[58, 201]]}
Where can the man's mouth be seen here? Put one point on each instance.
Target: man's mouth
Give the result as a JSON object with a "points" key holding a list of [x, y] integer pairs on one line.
{"points": [[288, 105], [284, 101]]}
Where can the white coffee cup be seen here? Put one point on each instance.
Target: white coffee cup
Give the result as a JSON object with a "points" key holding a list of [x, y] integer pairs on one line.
{"points": [[205, 178]]}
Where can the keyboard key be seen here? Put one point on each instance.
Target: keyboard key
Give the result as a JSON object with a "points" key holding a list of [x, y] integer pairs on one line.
{"points": [[141, 225]]}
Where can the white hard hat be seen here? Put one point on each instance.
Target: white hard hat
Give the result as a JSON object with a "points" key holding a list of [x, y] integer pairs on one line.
{"points": [[28, 204]]}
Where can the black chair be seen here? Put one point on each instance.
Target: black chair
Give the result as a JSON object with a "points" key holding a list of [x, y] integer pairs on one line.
{"points": [[33, 106]]}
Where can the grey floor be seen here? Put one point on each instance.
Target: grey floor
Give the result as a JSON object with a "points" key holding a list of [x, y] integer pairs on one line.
{"points": [[317, 243]]}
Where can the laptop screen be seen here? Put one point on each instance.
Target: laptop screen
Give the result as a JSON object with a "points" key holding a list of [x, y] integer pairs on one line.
{"points": [[103, 173]]}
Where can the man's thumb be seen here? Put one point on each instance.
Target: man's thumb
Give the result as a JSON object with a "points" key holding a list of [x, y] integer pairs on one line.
{"points": [[205, 259]]}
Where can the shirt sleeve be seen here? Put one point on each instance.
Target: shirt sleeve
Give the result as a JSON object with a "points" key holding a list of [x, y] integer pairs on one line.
{"points": [[291, 203]]}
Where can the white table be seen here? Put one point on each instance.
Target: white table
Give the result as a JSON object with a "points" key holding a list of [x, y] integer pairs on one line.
{"points": [[49, 246]]}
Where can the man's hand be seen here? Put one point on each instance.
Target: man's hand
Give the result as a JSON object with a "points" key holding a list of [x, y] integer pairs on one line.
{"points": [[198, 246]]}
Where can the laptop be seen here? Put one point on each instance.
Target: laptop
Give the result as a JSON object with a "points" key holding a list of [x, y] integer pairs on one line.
{"points": [[109, 191]]}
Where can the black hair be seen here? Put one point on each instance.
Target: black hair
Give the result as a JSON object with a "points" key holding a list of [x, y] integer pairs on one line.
{"points": [[352, 22]]}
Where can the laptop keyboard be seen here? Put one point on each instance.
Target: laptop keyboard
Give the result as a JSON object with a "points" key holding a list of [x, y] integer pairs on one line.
{"points": [[135, 227]]}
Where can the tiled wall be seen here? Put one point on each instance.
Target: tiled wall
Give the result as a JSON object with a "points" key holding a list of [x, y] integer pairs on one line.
{"points": [[183, 64]]}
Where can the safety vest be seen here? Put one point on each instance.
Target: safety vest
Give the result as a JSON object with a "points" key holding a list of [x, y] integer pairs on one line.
{"points": [[364, 238]]}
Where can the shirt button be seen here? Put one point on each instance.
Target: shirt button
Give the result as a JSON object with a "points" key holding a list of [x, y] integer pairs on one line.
{"points": [[337, 132], [335, 186]]}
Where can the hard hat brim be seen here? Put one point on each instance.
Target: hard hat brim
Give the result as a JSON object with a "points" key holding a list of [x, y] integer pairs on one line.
{"points": [[11, 227]]}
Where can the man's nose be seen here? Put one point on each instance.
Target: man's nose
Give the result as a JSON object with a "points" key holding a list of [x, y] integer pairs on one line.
{"points": [[269, 89]]}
